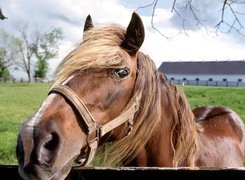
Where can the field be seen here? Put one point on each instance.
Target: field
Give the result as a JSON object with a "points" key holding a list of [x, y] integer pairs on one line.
{"points": [[19, 101]]}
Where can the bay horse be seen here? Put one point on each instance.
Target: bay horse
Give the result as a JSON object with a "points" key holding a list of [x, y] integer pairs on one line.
{"points": [[107, 91]]}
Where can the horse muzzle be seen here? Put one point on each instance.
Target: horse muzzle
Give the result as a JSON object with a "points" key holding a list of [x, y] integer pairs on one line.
{"points": [[37, 148]]}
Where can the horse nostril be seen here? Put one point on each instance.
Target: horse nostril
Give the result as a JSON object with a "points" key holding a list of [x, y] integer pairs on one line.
{"points": [[49, 148], [52, 143]]}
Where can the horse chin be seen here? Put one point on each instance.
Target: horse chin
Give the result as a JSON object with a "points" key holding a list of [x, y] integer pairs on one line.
{"points": [[47, 174], [23, 175], [62, 174]]}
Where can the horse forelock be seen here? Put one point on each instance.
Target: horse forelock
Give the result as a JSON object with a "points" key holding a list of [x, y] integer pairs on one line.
{"points": [[100, 49]]}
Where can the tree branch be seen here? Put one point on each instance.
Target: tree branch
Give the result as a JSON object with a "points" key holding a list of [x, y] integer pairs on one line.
{"points": [[236, 24], [228, 6]]}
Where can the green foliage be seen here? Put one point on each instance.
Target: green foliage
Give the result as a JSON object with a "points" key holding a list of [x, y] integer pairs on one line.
{"points": [[28, 47], [47, 49], [41, 68], [4, 72], [7, 52]]}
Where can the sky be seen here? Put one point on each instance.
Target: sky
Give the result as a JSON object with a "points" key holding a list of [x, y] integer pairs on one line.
{"points": [[190, 42]]}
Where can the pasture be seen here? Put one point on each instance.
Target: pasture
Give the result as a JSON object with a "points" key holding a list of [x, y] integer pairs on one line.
{"points": [[19, 101]]}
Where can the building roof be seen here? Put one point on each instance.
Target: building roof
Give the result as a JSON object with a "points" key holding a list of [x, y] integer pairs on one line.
{"points": [[203, 67]]}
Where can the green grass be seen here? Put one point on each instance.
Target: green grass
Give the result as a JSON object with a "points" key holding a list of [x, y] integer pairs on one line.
{"points": [[232, 97], [19, 101]]}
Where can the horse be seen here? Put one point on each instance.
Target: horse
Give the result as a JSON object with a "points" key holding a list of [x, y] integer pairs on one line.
{"points": [[107, 92]]}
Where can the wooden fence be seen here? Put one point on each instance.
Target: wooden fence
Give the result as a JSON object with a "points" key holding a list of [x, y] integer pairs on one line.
{"points": [[151, 173], [13, 80], [209, 83]]}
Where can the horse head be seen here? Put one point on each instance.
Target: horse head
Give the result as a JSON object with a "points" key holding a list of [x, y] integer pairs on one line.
{"points": [[92, 101]]}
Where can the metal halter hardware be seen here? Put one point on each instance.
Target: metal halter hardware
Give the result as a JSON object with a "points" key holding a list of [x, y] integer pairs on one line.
{"points": [[91, 125]]}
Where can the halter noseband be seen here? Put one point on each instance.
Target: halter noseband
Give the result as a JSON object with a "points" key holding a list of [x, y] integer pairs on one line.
{"points": [[91, 125]]}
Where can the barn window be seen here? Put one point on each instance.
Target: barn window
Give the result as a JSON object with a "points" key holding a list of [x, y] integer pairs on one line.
{"points": [[224, 79], [239, 80], [210, 79], [197, 79], [184, 79], [172, 78]]}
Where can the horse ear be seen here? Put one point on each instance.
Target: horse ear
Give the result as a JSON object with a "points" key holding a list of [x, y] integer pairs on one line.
{"points": [[88, 24], [135, 34]]}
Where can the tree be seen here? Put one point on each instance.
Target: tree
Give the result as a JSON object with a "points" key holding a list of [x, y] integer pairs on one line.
{"points": [[31, 46], [191, 12], [26, 45], [47, 49], [8, 52], [3, 67]]}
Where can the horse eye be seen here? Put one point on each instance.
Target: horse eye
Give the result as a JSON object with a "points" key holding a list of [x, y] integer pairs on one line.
{"points": [[121, 73]]}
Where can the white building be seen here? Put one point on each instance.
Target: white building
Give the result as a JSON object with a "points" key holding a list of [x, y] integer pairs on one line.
{"points": [[213, 73]]}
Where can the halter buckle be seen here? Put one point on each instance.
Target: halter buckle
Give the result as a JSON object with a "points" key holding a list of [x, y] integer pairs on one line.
{"points": [[94, 135]]}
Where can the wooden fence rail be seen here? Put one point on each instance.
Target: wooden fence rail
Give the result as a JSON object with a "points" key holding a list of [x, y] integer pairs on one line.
{"points": [[13, 80], [154, 173], [209, 83]]}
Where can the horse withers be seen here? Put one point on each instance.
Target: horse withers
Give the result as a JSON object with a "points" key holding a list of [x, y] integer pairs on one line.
{"points": [[107, 91]]}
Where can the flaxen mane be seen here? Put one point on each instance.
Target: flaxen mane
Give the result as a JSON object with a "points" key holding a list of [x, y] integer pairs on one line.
{"points": [[101, 49], [185, 130]]}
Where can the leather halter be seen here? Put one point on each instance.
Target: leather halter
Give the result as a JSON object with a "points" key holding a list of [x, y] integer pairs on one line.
{"points": [[92, 127]]}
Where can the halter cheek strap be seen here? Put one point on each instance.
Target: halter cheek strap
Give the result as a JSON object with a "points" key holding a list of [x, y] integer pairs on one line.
{"points": [[93, 129]]}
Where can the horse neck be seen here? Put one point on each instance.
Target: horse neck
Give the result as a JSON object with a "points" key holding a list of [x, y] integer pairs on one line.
{"points": [[174, 142], [158, 151]]}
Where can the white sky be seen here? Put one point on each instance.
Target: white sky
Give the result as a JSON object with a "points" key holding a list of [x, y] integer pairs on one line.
{"points": [[197, 45]]}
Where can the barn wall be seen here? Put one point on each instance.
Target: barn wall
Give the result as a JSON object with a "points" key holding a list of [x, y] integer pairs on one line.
{"points": [[207, 80], [206, 77]]}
